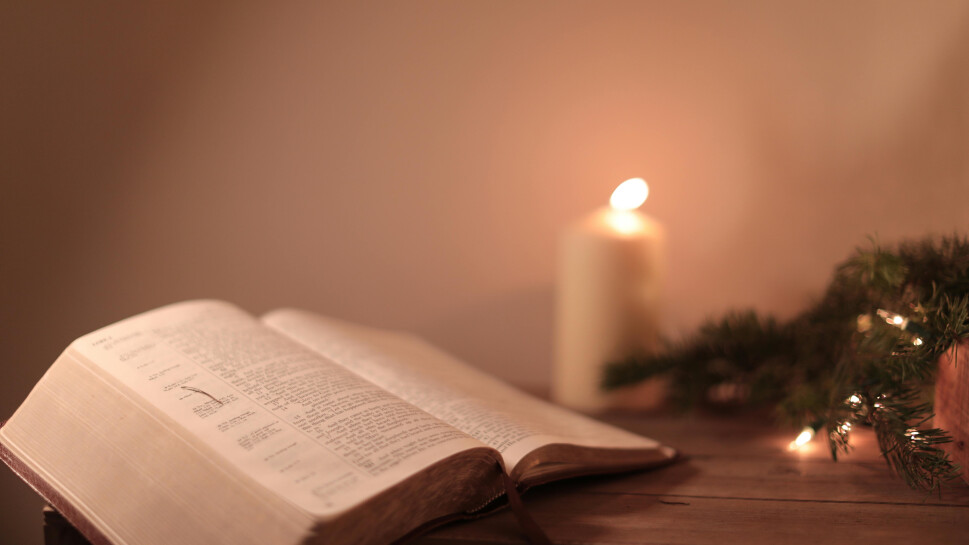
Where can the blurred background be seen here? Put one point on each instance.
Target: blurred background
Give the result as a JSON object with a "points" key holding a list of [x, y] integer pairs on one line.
{"points": [[413, 164]]}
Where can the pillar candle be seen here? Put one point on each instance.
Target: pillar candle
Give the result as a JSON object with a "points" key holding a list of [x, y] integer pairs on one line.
{"points": [[608, 296]]}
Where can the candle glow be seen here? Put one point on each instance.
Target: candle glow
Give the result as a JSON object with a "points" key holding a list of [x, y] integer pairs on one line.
{"points": [[625, 222]]}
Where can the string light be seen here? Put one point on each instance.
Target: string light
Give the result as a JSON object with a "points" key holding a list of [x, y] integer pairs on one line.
{"points": [[914, 435], [802, 438], [808, 432], [892, 318], [903, 323]]}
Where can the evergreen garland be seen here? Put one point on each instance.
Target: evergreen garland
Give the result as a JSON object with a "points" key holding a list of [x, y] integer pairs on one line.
{"points": [[860, 356]]}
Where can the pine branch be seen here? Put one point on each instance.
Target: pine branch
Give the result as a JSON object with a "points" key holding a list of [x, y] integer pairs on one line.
{"points": [[912, 452], [839, 363]]}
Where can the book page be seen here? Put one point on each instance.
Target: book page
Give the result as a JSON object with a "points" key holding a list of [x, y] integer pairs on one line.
{"points": [[505, 418], [302, 426]]}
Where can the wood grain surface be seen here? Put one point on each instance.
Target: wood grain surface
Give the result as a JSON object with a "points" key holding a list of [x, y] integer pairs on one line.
{"points": [[738, 483]]}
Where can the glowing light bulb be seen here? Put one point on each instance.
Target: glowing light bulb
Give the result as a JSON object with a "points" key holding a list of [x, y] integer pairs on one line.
{"points": [[802, 438], [890, 317], [854, 399], [846, 427], [917, 341], [629, 195]]}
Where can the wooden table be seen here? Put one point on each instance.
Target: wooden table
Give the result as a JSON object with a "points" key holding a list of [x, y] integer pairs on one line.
{"points": [[739, 484]]}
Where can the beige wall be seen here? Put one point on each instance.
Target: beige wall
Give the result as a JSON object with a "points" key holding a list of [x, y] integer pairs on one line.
{"points": [[412, 164]]}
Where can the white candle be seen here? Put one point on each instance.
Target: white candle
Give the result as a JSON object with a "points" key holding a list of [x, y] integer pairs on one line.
{"points": [[609, 288]]}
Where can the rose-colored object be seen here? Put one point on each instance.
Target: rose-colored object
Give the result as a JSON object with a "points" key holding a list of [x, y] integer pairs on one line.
{"points": [[952, 403]]}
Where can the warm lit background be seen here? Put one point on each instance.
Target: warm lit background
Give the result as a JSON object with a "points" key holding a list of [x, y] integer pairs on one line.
{"points": [[412, 164]]}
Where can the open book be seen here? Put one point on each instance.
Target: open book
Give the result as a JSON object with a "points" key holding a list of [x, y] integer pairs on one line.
{"points": [[197, 423]]}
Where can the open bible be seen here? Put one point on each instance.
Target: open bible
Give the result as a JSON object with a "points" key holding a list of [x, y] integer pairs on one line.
{"points": [[200, 423]]}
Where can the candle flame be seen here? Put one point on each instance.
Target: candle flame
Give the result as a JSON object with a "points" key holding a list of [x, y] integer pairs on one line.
{"points": [[629, 195]]}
